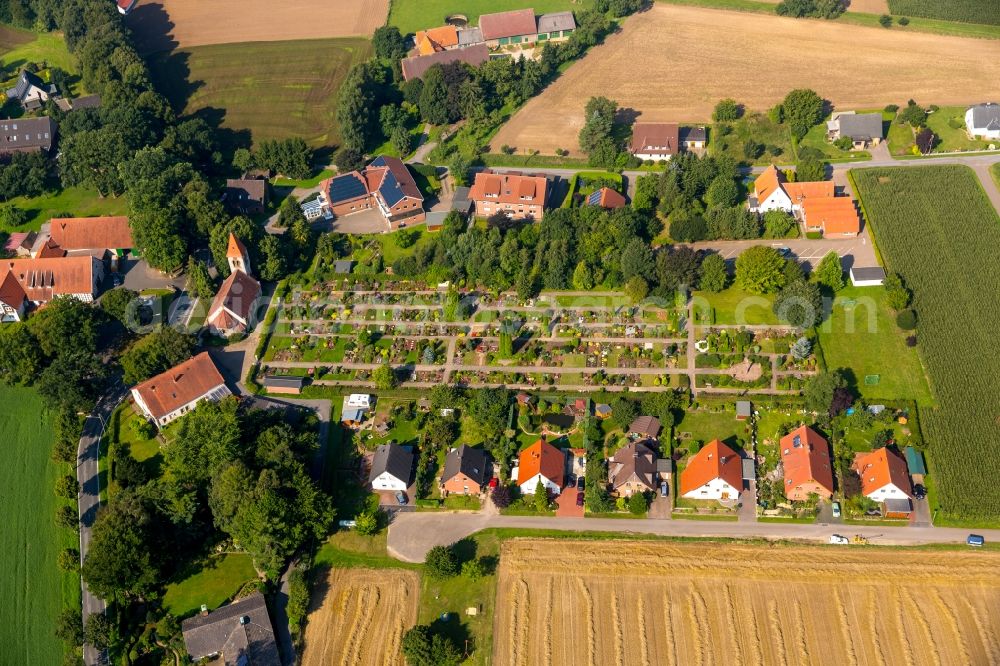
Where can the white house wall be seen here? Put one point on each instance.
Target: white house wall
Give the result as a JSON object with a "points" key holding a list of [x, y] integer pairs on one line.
{"points": [[386, 481], [528, 487], [714, 490]]}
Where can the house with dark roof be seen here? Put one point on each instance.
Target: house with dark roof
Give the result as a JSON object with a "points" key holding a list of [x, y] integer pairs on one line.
{"points": [[867, 276], [237, 634], [287, 384], [555, 27], [26, 135], [31, 92], [512, 27], [982, 121], [386, 184], [414, 67], [632, 469], [391, 467], [233, 308], [693, 138], [518, 196], [645, 427], [86, 102], [245, 196], [466, 471], [171, 394], [863, 129]]}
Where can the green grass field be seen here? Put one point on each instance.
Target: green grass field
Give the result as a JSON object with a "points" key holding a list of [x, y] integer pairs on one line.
{"points": [[948, 123], [78, 201], [413, 15], [32, 587], [734, 306], [18, 47], [995, 171], [861, 335], [212, 584], [935, 226], [275, 90]]}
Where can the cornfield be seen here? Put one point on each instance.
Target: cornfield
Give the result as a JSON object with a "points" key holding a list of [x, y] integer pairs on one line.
{"points": [[936, 228], [966, 11]]}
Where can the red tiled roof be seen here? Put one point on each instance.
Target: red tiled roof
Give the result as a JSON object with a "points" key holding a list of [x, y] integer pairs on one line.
{"points": [[235, 248], [237, 295], [805, 456], [610, 199], [508, 24], [11, 291], [810, 189], [436, 39], [50, 250], [180, 385], [715, 460], [834, 215], [541, 458], [45, 278], [91, 233], [512, 188], [880, 468], [655, 138]]}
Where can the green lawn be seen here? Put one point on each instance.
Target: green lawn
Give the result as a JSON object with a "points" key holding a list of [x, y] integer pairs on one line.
{"points": [[704, 426], [306, 183], [995, 171], [32, 587], [413, 15], [733, 306], [274, 89], [77, 201], [18, 47], [816, 138], [391, 251], [215, 581], [948, 122]]}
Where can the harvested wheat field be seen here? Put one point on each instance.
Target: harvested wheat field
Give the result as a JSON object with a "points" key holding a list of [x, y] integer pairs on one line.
{"points": [[673, 63], [359, 616], [161, 25], [644, 603]]}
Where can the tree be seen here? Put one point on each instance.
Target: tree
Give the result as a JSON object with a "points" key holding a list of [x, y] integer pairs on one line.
{"points": [[777, 224], [925, 140], [159, 351], [689, 229], [637, 260], [68, 560], [914, 115], [801, 349], [366, 523], [896, 292], [66, 517], [637, 504], [723, 192], [422, 646], [208, 440], [501, 496], [97, 631], [598, 125], [583, 277], [67, 487], [440, 562], [830, 273], [541, 497], [759, 270], [69, 627], [65, 325], [636, 289], [712, 274], [199, 282], [799, 303], [810, 169], [803, 108], [906, 320], [11, 217], [624, 411], [819, 390], [677, 268], [21, 357], [489, 409], [885, 21], [73, 380], [727, 110], [473, 569], [121, 304], [120, 563], [434, 107], [384, 376], [388, 43], [459, 167]]}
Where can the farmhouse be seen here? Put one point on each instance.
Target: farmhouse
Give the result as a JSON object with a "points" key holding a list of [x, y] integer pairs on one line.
{"points": [[834, 217], [884, 475], [555, 27], [245, 196], [177, 391], [606, 198], [983, 121], [31, 92], [98, 236], [513, 27], [632, 469], [867, 276], [466, 471], [863, 129], [434, 40], [805, 458], [715, 472], [37, 281], [693, 138], [645, 427], [238, 634], [544, 462], [390, 468], [655, 141], [385, 184], [414, 67], [772, 191], [26, 135], [518, 196], [232, 308]]}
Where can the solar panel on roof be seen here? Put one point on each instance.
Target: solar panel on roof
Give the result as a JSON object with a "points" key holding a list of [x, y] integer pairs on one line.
{"points": [[594, 199], [343, 188], [390, 189], [379, 162]]}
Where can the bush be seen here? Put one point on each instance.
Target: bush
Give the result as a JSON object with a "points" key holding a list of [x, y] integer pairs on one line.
{"points": [[441, 562], [69, 560], [473, 569], [366, 523], [885, 20], [911, 341], [891, 108], [906, 320], [727, 110], [637, 504], [501, 496], [844, 143], [902, 20], [67, 487]]}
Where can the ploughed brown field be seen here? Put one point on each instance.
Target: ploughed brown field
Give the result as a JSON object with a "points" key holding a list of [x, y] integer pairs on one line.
{"points": [[161, 25], [673, 63], [359, 616], [617, 602]]}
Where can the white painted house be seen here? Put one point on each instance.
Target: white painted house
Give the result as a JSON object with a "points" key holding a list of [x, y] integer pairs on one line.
{"points": [[772, 191], [391, 468], [983, 121], [541, 462], [171, 394], [884, 475], [714, 473]]}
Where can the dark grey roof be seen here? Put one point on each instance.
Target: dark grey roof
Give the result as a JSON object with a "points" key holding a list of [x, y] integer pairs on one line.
{"points": [[415, 66], [867, 273], [646, 425], [897, 505], [468, 461], [636, 460], [25, 83], [860, 126], [435, 218], [664, 465], [986, 116], [749, 469], [240, 632], [343, 266], [239, 190], [743, 408], [555, 22], [393, 459], [285, 381], [25, 134], [470, 36], [693, 134], [88, 102], [461, 201], [397, 182]]}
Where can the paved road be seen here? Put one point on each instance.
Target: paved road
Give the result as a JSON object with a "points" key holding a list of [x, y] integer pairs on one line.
{"points": [[89, 497], [411, 535]]}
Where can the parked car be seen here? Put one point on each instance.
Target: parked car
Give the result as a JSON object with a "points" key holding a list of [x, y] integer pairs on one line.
{"points": [[348, 524], [975, 540], [663, 489], [836, 509], [919, 492], [580, 483], [400, 498], [839, 539], [579, 499]]}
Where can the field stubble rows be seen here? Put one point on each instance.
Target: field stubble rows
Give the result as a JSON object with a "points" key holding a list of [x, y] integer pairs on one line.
{"points": [[622, 603]]}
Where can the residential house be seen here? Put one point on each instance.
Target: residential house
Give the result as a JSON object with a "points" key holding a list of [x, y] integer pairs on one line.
{"points": [[744, 409], [19, 243], [355, 408], [31, 92], [603, 411], [466, 471], [513, 27], [541, 462], [982, 121], [171, 394], [606, 198], [632, 469], [386, 184], [287, 384], [435, 40], [645, 427], [86, 102], [805, 457], [245, 196], [37, 281], [834, 217], [97, 236], [26, 135], [414, 67], [884, 475], [863, 129], [13, 300], [772, 191], [518, 196], [233, 308], [461, 203], [867, 276], [391, 467], [237, 634], [554, 27], [714, 473], [578, 408], [524, 400], [655, 141], [693, 138]]}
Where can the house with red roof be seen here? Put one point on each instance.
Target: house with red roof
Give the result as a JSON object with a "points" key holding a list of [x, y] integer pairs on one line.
{"points": [[171, 394], [884, 475], [606, 198], [714, 473], [37, 281], [815, 202], [541, 462], [386, 185], [515, 195], [805, 458], [99, 237], [655, 141]]}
